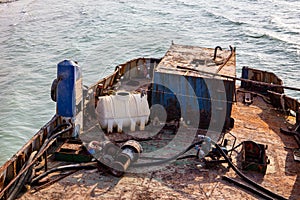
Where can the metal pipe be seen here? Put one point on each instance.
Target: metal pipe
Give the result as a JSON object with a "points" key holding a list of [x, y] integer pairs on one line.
{"points": [[241, 79], [215, 53]]}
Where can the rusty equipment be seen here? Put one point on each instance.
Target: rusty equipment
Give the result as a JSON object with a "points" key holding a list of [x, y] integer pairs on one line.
{"points": [[130, 152], [296, 133], [254, 157]]}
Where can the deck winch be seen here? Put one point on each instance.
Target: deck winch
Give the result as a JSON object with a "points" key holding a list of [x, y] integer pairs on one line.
{"points": [[117, 159], [130, 152]]}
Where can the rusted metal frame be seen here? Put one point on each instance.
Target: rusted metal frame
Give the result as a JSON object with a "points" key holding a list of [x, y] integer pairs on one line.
{"points": [[257, 155], [292, 103], [266, 73], [17, 186], [126, 68], [289, 103], [2, 178], [235, 92], [104, 80], [122, 70], [132, 65], [12, 167], [105, 86], [94, 86], [278, 85], [113, 79], [265, 76], [17, 176]]}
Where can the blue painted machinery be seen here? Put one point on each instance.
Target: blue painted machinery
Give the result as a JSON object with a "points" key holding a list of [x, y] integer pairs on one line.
{"points": [[66, 90]]}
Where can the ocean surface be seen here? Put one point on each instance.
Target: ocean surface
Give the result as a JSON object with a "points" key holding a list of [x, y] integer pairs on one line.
{"points": [[35, 35]]}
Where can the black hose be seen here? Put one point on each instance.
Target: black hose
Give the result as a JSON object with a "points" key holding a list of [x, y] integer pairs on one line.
{"points": [[167, 159], [134, 138], [22, 179], [54, 136], [187, 156], [150, 158], [54, 133], [45, 146], [246, 187], [235, 147], [89, 165], [245, 178]]}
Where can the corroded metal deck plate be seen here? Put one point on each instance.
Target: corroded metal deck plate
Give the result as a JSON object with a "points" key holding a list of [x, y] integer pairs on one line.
{"points": [[259, 122]]}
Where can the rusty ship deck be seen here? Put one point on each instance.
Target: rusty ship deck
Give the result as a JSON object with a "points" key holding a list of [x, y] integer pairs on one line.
{"points": [[258, 122], [186, 178]]}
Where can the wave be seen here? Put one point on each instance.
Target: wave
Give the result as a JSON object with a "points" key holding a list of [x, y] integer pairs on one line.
{"points": [[282, 37], [226, 18]]}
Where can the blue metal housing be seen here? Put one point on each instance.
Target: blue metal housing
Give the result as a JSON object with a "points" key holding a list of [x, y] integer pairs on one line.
{"points": [[187, 85], [191, 97], [68, 74], [244, 76]]}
